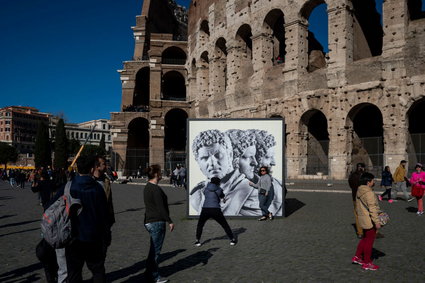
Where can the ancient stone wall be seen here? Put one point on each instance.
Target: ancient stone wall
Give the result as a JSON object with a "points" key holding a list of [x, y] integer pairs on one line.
{"points": [[350, 87]]}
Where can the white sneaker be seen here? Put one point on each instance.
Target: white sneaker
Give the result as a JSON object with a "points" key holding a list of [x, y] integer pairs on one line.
{"points": [[410, 199], [161, 280], [197, 243]]}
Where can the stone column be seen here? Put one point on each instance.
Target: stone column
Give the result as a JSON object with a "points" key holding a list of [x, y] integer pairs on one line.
{"points": [[233, 67], [156, 142], [294, 151], [340, 42], [339, 148], [119, 146], [395, 22], [296, 58], [395, 140]]}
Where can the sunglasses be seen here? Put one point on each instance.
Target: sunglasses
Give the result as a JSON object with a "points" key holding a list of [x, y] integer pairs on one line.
{"points": [[262, 170]]}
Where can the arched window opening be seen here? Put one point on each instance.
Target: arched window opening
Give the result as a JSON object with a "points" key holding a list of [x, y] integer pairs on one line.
{"points": [[204, 74], [205, 28], [137, 156], [416, 9], [174, 55], [193, 68], [173, 86], [416, 138], [315, 11], [314, 128], [367, 28], [141, 89], [274, 23], [365, 122], [244, 47], [221, 64], [175, 138]]}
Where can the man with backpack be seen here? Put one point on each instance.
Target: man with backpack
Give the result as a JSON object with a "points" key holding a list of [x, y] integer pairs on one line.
{"points": [[91, 228]]}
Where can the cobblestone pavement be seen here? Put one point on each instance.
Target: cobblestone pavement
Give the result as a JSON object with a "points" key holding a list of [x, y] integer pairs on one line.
{"points": [[314, 244]]}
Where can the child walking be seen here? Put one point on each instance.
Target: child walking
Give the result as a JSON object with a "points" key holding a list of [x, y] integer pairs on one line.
{"points": [[211, 209], [386, 182], [367, 210]]}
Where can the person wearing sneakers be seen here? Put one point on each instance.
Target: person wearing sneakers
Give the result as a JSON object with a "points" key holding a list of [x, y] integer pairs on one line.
{"points": [[399, 177], [265, 192], [211, 209], [353, 181], [386, 182], [418, 187], [367, 211]]}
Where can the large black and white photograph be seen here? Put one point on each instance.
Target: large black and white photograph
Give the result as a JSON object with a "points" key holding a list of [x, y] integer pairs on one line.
{"points": [[247, 156]]}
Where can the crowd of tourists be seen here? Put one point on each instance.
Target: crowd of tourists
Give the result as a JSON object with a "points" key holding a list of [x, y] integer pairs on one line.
{"points": [[368, 214]]}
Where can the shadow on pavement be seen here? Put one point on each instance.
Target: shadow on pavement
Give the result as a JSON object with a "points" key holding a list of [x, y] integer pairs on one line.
{"points": [[19, 223], [130, 210], [188, 262], [12, 233], [19, 274], [377, 254], [137, 267], [6, 198], [177, 203], [7, 216], [292, 205], [412, 209], [236, 233]]}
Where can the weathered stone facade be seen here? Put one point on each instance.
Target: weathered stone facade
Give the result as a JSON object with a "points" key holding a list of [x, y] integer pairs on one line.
{"points": [[153, 88], [365, 87]]}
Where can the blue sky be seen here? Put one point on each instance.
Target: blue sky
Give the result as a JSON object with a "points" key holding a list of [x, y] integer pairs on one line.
{"points": [[63, 55]]}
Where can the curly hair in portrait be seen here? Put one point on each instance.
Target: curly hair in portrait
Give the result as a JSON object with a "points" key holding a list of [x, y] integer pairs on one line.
{"points": [[264, 141], [209, 138], [240, 140]]}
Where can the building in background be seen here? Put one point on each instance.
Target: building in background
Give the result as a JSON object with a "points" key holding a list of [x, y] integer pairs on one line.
{"points": [[151, 126]]}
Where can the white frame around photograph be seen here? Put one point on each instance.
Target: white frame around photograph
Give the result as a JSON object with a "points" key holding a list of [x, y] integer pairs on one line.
{"points": [[242, 197]]}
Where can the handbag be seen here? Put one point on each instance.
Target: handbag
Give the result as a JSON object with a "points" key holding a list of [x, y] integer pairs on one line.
{"points": [[262, 192], [383, 218]]}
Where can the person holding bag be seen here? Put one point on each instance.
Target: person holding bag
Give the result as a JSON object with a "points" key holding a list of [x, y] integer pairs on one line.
{"points": [[418, 187], [265, 192], [368, 211]]}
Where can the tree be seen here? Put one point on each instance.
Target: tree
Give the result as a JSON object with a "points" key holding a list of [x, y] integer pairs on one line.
{"points": [[91, 149], [42, 152], [7, 154], [102, 142], [73, 146], [61, 146]]}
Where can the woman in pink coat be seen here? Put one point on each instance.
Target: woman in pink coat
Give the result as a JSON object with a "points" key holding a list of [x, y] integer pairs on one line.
{"points": [[418, 187]]}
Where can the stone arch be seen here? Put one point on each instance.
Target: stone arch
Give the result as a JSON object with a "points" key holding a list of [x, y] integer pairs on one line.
{"points": [[243, 46], [175, 137], [141, 94], [137, 155], [416, 133], [315, 143], [367, 30], [204, 27], [365, 137], [173, 55], [316, 50], [220, 66], [204, 34], [274, 27], [173, 86]]}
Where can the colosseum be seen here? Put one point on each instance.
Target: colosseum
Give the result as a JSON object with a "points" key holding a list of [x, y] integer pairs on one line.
{"points": [[358, 98]]}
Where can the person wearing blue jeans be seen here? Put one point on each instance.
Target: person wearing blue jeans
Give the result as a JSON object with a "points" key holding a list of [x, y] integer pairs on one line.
{"points": [[265, 192], [156, 214]]}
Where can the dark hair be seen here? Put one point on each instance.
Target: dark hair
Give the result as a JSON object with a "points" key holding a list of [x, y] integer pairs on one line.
{"points": [[85, 163], [215, 181], [153, 171], [361, 164], [366, 178], [263, 167], [97, 160], [403, 161]]}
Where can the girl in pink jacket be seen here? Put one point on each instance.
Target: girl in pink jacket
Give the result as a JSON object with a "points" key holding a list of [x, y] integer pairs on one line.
{"points": [[418, 187]]}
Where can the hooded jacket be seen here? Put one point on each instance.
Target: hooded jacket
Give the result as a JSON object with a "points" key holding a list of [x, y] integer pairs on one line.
{"points": [[367, 207], [213, 194]]}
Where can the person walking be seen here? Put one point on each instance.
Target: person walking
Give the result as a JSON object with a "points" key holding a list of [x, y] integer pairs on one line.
{"points": [[93, 230], [367, 211], [353, 181], [400, 178], [211, 209], [418, 187], [386, 182], [156, 215], [265, 192]]}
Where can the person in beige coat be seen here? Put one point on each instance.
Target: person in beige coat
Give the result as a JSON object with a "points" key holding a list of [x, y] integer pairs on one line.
{"points": [[367, 211]]}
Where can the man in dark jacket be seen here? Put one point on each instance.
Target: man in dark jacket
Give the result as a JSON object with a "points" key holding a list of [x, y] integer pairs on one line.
{"points": [[92, 229], [354, 182]]}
